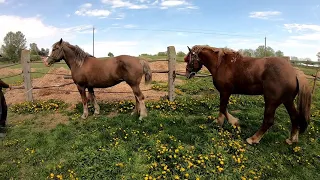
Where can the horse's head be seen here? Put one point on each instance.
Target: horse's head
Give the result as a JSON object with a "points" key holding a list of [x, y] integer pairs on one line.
{"points": [[56, 55], [193, 63]]}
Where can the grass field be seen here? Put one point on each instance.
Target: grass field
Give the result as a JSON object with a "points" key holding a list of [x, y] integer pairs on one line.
{"points": [[178, 140]]}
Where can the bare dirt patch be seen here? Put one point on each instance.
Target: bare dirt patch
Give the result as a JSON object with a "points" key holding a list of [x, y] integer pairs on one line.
{"points": [[10, 72], [71, 95]]}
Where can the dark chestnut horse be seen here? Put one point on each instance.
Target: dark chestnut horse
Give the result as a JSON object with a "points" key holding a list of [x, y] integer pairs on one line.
{"points": [[273, 77], [90, 72]]}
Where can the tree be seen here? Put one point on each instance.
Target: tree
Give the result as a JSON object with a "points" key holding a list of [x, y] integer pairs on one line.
{"points": [[318, 55], [181, 54], [13, 44], [247, 52], [44, 52], [110, 54], [162, 53], [279, 53], [294, 58], [260, 52], [34, 49]]}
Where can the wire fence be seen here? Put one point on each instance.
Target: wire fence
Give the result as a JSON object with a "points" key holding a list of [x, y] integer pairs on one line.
{"points": [[26, 71]]}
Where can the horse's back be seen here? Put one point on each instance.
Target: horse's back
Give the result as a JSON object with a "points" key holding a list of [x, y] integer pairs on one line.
{"points": [[279, 77], [256, 75]]}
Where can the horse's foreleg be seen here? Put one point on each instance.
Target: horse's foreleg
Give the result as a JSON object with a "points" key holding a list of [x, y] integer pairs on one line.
{"points": [[82, 91], [224, 98], [268, 121], [292, 111], [141, 105], [94, 100]]}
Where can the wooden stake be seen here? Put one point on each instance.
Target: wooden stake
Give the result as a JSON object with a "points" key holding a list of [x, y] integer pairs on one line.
{"points": [[172, 70], [25, 61]]}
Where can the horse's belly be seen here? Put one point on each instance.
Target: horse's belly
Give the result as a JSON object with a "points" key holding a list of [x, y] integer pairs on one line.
{"points": [[249, 90], [104, 83]]}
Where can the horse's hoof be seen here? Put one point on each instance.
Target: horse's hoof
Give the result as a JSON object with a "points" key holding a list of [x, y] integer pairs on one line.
{"points": [[288, 141], [96, 112], [220, 123], [142, 116], [84, 116], [251, 141]]}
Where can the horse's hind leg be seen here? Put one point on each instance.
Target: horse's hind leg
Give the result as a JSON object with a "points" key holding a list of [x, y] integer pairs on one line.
{"points": [[137, 106], [140, 97], [268, 121], [94, 100], [292, 111], [82, 91]]}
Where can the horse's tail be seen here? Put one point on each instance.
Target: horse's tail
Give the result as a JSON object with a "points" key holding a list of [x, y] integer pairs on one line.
{"points": [[146, 71], [303, 101]]}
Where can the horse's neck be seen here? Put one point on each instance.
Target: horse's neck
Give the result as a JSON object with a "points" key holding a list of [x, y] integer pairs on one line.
{"points": [[70, 59], [210, 64]]}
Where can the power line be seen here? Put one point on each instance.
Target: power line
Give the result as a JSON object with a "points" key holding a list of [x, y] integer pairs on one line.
{"points": [[182, 31]]}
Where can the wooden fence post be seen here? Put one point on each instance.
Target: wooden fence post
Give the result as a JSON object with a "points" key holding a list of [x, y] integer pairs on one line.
{"points": [[172, 71], [315, 81], [25, 61]]}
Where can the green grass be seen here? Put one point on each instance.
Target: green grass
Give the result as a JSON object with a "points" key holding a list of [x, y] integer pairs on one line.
{"points": [[308, 70], [177, 139]]}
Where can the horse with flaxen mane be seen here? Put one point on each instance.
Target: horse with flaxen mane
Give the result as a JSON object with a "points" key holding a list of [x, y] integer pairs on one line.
{"points": [[273, 77], [90, 72]]}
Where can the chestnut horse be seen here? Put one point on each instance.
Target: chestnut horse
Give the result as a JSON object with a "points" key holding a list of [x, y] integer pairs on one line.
{"points": [[90, 72], [273, 77]]}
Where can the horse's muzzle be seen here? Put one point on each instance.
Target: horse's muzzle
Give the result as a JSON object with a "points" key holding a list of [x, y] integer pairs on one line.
{"points": [[190, 75], [45, 61]]}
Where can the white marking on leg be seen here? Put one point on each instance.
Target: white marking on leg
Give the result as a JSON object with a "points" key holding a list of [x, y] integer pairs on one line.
{"points": [[96, 106], [137, 106], [85, 111], [220, 119], [143, 110], [232, 120]]}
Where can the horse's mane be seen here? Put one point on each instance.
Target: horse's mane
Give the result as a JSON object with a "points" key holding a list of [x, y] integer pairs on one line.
{"points": [[79, 53], [224, 51]]}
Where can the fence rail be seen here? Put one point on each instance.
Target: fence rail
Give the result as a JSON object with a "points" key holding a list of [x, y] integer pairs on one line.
{"points": [[9, 65]]}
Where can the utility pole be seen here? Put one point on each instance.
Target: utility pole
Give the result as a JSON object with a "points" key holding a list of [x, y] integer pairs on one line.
{"points": [[93, 41], [265, 46]]}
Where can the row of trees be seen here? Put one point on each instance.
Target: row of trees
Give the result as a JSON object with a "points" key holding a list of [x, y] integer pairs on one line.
{"points": [[260, 51], [14, 43]]}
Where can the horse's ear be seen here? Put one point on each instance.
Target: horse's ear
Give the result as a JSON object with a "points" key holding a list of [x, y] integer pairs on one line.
{"points": [[189, 49], [60, 42]]}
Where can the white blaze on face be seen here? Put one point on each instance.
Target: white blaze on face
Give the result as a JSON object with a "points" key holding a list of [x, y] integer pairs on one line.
{"points": [[45, 59]]}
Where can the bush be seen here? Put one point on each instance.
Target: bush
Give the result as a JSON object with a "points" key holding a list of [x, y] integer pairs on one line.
{"points": [[35, 58], [4, 59]]}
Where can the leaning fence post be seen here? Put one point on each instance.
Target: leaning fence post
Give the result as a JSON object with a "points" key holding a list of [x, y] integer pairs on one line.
{"points": [[171, 74], [25, 61], [315, 81]]}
